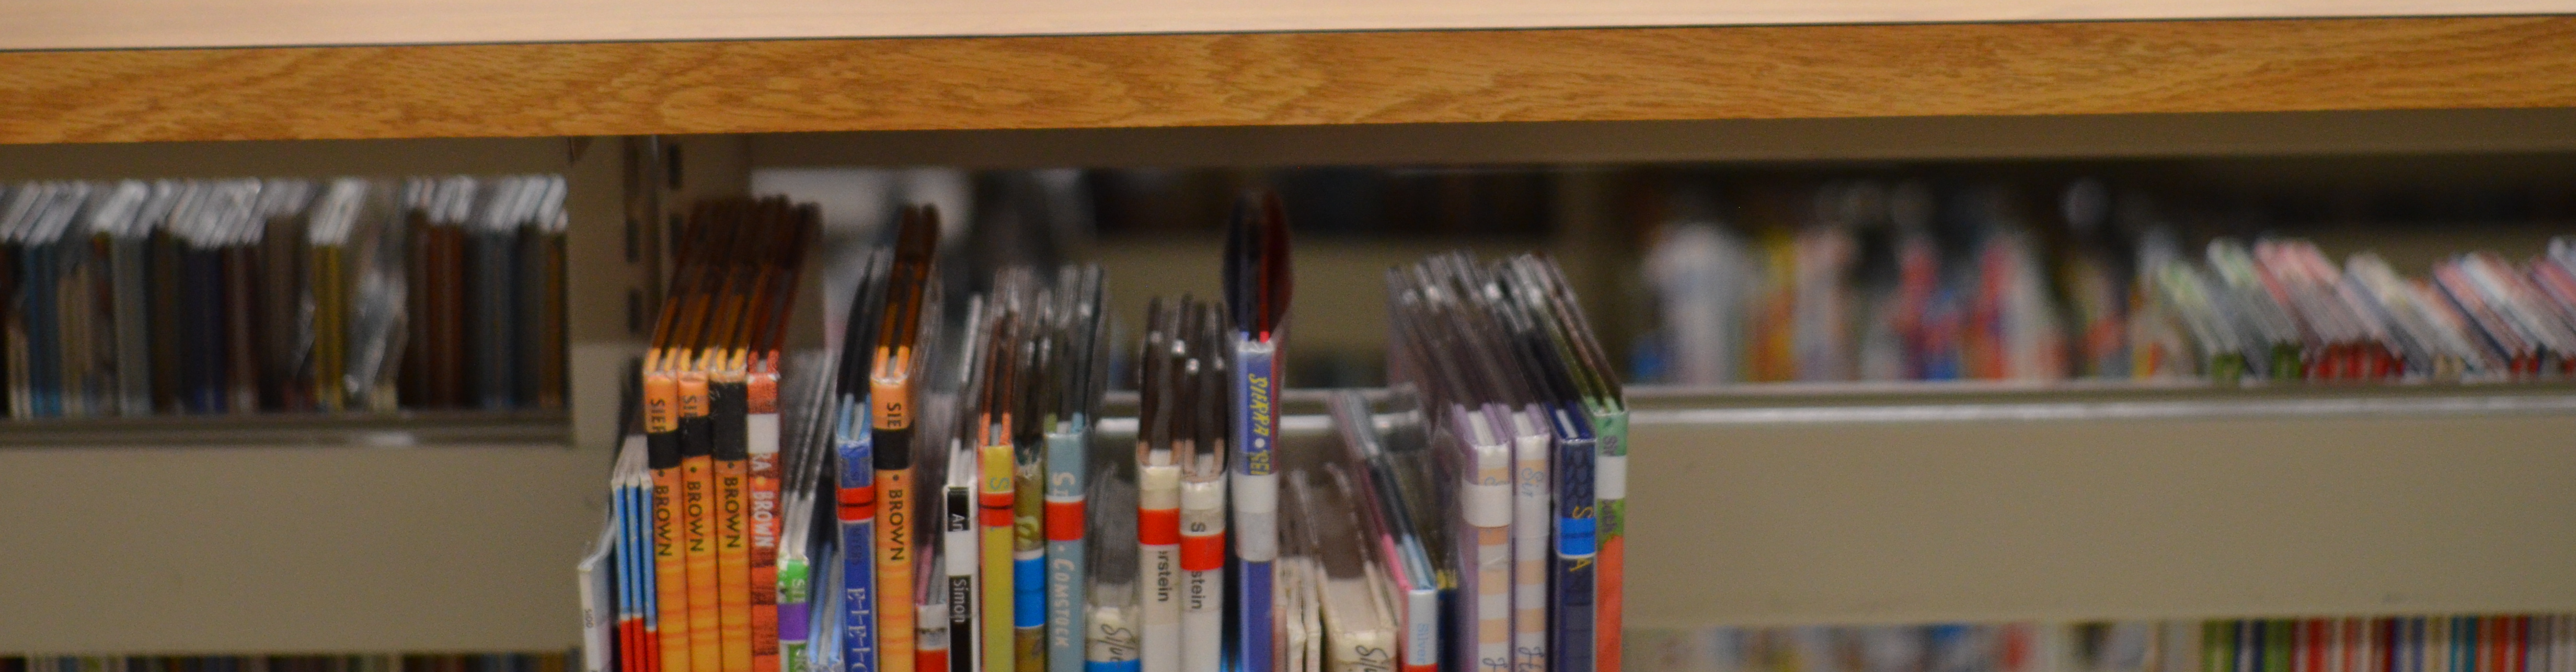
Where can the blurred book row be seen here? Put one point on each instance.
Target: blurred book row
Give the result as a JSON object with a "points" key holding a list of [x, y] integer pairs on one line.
{"points": [[247, 296], [1887, 282], [2495, 643], [495, 662]]}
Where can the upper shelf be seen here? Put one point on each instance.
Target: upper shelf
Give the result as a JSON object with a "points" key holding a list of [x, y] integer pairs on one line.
{"points": [[1284, 79], [161, 24]]}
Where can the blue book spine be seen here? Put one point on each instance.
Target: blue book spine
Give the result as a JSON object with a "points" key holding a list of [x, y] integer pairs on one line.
{"points": [[1573, 614], [639, 541], [1028, 592], [1119, 666], [826, 646], [1256, 500], [2464, 643], [626, 556], [858, 538], [1065, 573]]}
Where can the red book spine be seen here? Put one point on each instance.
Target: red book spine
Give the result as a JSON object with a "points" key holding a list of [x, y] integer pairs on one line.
{"points": [[765, 514]]}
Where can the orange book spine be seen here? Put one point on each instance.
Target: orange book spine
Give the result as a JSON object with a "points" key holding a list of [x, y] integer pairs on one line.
{"points": [[697, 538], [762, 434], [894, 571], [670, 624], [733, 520], [892, 436]]}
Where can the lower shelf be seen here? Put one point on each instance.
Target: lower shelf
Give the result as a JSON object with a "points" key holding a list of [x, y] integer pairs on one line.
{"points": [[2007, 505], [182, 550], [1751, 507]]}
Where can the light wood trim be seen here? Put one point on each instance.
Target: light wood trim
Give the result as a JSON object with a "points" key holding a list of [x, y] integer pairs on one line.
{"points": [[1289, 79], [164, 24]]}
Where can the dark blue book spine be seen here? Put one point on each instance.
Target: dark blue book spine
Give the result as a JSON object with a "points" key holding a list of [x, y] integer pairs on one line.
{"points": [[1577, 544], [203, 342], [488, 332], [44, 358]]}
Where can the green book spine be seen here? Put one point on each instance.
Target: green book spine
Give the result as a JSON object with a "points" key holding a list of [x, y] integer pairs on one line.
{"points": [[2217, 646], [2277, 644]]}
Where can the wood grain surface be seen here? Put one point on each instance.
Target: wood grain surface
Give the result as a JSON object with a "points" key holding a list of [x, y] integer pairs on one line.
{"points": [[1114, 81], [177, 24]]}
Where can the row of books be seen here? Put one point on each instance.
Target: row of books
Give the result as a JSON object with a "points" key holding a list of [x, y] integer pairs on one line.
{"points": [[2282, 311], [246, 296], [496, 662], [1840, 300], [2449, 643], [942, 490]]}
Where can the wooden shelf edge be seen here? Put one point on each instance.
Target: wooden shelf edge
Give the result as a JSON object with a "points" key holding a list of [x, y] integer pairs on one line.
{"points": [[1289, 79]]}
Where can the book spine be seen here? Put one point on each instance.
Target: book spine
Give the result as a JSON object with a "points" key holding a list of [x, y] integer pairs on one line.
{"points": [[1255, 492], [597, 621], [206, 338], [1028, 564], [997, 478], [761, 434], [795, 612], [13, 335], [72, 315], [624, 511], [1158, 539], [958, 567], [1532, 523], [1421, 647], [44, 328], [450, 370], [1066, 571], [728, 426], [286, 327], [892, 430], [130, 310], [670, 556], [643, 646], [412, 380], [330, 356], [241, 322], [859, 517], [551, 340], [1610, 491], [488, 311], [697, 498], [528, 298], [1577, 551]]}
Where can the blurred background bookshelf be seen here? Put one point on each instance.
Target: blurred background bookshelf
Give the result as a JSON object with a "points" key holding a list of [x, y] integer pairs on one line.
{"points": [[1774, 504]]}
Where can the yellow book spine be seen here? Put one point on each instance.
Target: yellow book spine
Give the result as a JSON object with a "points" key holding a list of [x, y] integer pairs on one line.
{"points": [[995, 499]]}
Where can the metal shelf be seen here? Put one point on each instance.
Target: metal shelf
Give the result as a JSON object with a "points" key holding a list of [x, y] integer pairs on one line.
{"points": [[272, 430], [1751, 505]]}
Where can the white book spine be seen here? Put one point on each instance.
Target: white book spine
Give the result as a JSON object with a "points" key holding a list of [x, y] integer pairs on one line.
{"points": [[1531, 524], [1158, 489]]}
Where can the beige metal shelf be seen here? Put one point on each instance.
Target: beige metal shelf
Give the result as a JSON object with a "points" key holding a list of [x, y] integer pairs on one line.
{"points": [[2149, 504], [1764, 506], [320, 430]]}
